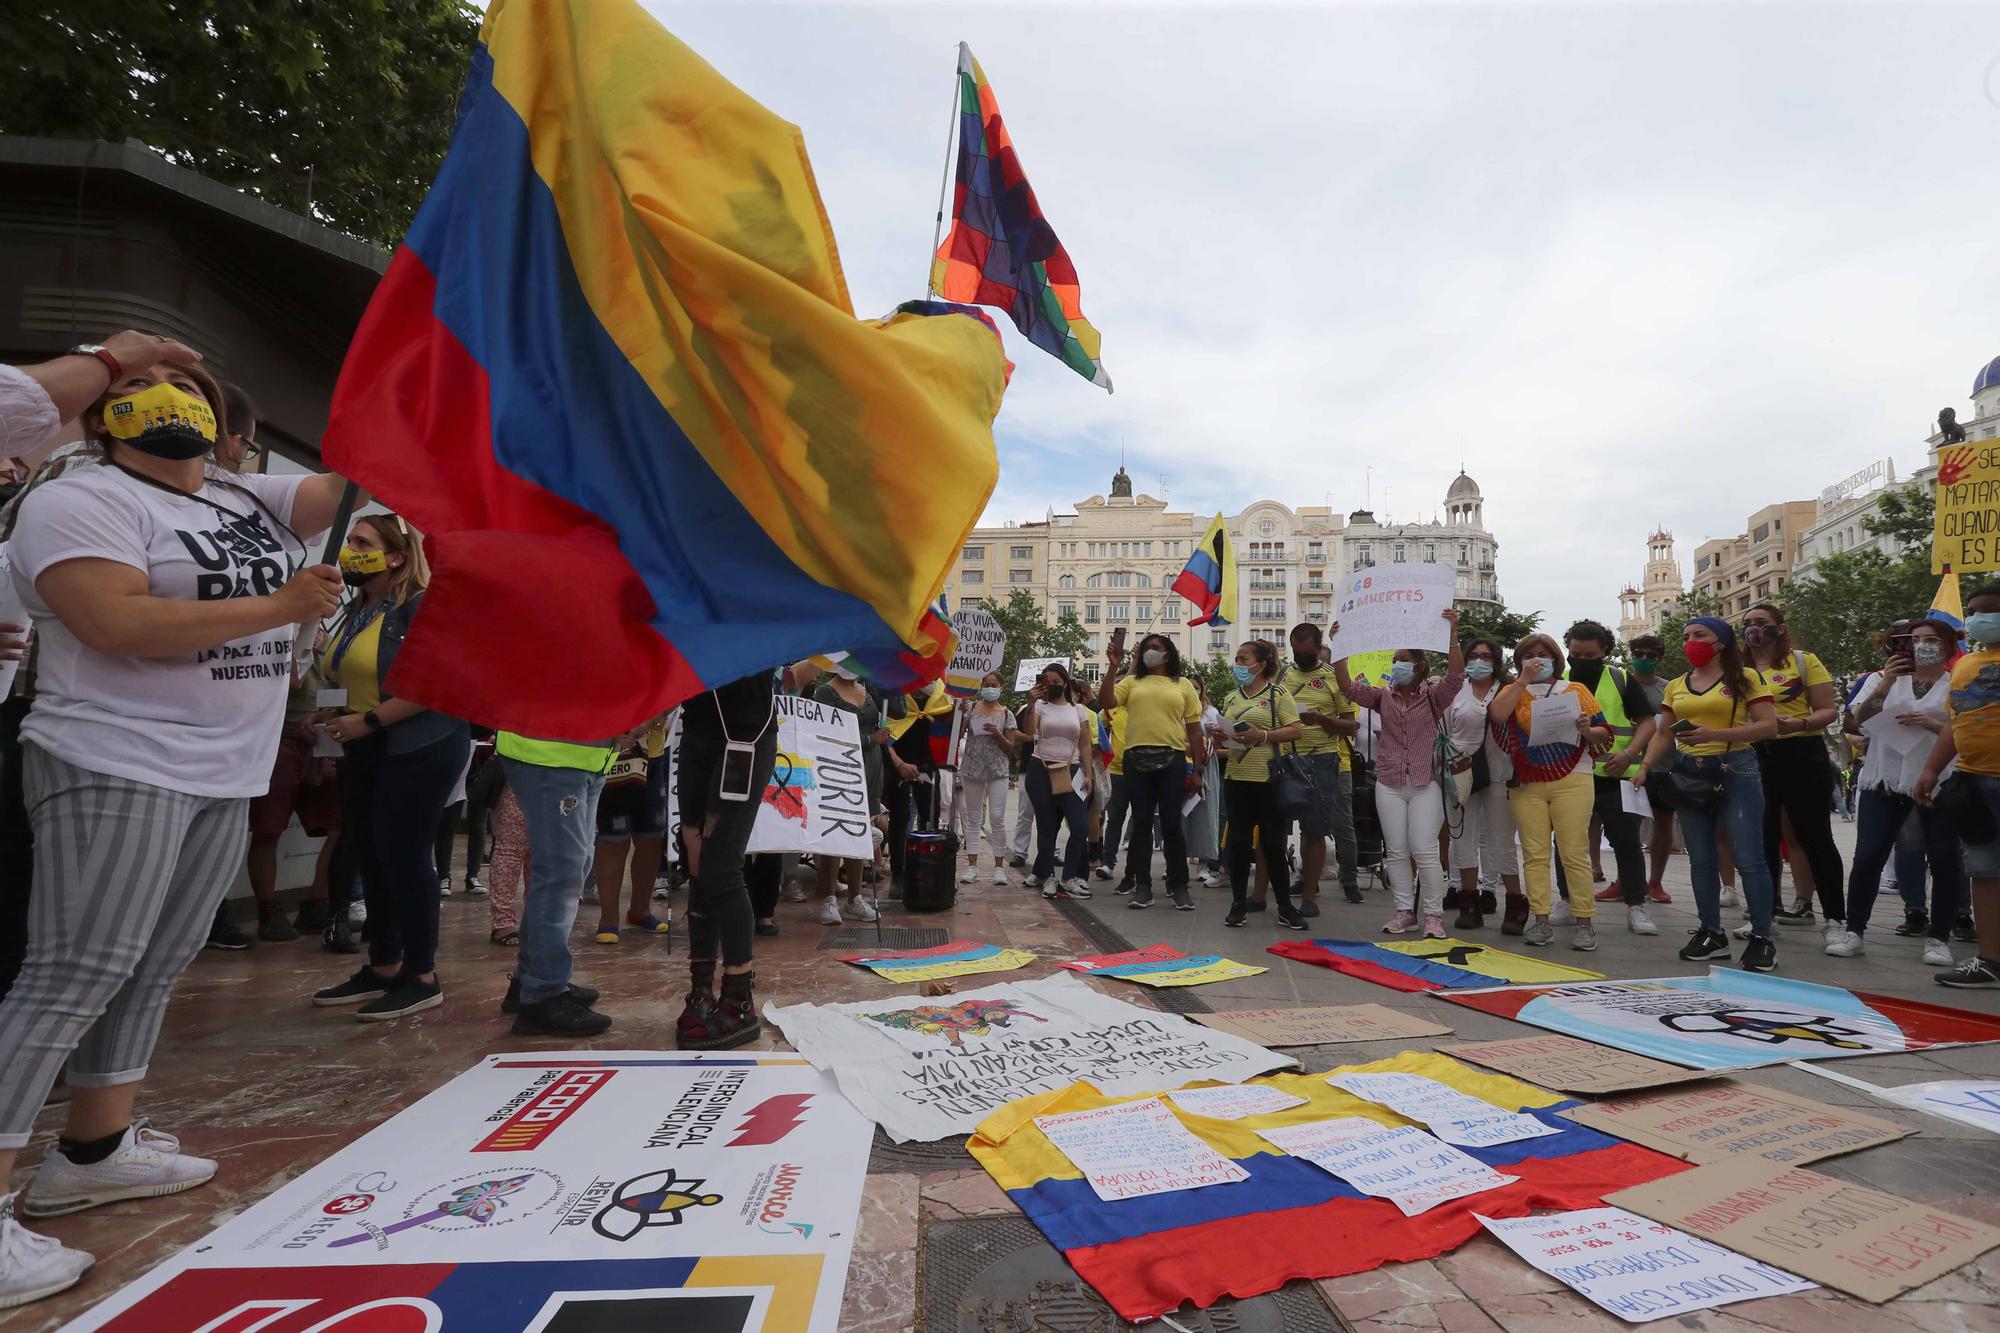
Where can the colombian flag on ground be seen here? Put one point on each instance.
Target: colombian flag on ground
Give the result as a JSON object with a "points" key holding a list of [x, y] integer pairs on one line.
{"points": [[1209, 581], [614, 373], [1291, 1219], [1426, 965]]}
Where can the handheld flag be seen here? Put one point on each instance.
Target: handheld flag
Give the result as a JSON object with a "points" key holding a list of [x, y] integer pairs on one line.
{"points": [[1001, 251], [614, 371], [1209, 581], [1946, 605]]}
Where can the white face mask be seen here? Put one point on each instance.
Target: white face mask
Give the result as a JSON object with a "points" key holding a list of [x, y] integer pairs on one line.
{"points": [[1154, 658]]}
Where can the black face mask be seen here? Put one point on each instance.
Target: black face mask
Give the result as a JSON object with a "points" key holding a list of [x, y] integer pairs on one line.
{"points": [[176, 443], [353, 579], [1586, 674], [1306, 661]]}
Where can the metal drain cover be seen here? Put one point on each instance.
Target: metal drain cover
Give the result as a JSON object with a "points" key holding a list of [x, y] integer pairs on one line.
{"points": [[887, 1157], [998, 1275], [854, 939]]}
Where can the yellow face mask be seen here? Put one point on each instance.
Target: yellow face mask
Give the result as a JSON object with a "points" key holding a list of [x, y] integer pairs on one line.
{"points": [[361, 566], [162, 419]]}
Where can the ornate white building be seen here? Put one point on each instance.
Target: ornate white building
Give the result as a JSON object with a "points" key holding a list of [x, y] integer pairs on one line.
{"points": [[1642, 607], [1113, 561]]}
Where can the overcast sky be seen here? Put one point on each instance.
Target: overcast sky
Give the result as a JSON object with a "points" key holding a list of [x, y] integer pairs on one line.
{"points": [[1643, 265]]}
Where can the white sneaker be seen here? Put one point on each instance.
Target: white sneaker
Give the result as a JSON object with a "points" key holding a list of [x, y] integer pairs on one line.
{"points": [[1844, 944], [1639, 921], [1000, 876], [1937, 954], [33, 1265], [1050, 887], [967, 875], [860, 909], [1213, 879], [1742, 932], [1560, 913], [829, 912], [357, 913], [1730, 897], [145, 1165], [444, 886], [1076, 888]]}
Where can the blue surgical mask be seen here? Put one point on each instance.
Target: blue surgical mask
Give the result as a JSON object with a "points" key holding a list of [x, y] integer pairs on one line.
{"points": [[990, 693], [1479, 669], [1983, 627], [1402, 673], [1244, 675], [1538, 668]]}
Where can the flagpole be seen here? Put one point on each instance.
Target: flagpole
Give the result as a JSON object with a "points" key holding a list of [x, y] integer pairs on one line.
{"points": [[944, 178]]}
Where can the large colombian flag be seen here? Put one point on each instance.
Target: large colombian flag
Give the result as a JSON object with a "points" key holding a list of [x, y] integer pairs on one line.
{"points": [[1290, 1219], [1209, 579], [614, 373]]}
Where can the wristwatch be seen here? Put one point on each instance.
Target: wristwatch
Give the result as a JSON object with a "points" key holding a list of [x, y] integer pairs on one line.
{"points": [[99, 351], [373, 720]]}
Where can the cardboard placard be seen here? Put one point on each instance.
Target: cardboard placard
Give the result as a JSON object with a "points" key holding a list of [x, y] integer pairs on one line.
{"points": [[1569, 1065], [1324, 1025], [1734, 1120], [1028, 668], [1848, 1237]]}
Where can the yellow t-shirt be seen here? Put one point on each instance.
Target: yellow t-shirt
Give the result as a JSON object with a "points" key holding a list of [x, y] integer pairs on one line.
{"points": [[1115, 719], [1790, 686], [358, 674], [1317, 691], [1975, 711], [1267, 710], [1716, 707], [1156, 711]]}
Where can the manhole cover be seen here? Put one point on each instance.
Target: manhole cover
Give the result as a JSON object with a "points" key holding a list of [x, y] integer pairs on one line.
{"points": [[998, 1275], [886, 1156], [857, 938]]}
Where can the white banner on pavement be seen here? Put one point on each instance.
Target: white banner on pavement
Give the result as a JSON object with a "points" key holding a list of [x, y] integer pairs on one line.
{"points": [[929, 1068], [1454, 1116], [1136, 1148], [546, 1190], [1393, 606]]}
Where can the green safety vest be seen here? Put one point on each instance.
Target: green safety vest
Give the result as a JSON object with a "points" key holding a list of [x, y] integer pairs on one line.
{"points": [[1613, 708], [555, 754]]}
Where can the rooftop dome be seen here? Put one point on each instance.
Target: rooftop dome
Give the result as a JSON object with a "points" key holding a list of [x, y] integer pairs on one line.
{"points": [[1467, 487], [1988, 377]]}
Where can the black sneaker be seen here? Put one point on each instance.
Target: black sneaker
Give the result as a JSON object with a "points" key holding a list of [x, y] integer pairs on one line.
{"points": [[1759, 955], [311, 918], [1124, 886], [275, 929], [1973, 974], [365, 984], [1962, 931], [1310, 907], [1179, 893], [1142, 898], [338, 937], [228, 935], [766, 929], [1915, 924], [1704, 945], [1238, 914], [407, 996], [560, 1016], [1256, 905], [511, 1004], [1289, 916], [1351, 893], [1017, 863], [1799, 915]]}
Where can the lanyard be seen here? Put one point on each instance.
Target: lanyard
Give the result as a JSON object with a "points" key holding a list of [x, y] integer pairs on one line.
{"points": [[351, 628], [224, 510]]}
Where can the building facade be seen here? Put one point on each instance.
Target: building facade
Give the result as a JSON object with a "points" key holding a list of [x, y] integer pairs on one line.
{"points": [[1642, 606], [1841, 527], [1112, 562], [1743, 570]]}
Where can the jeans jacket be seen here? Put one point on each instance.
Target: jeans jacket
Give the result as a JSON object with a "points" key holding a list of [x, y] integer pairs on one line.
{"points": [[428, 727]]}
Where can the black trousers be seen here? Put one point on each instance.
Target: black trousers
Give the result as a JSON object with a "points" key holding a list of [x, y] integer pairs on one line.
{"points": [[1621, 830], [482, 793], [764, 876], [719, 910], [1798, 781], [1253, 809], [391, 805]]}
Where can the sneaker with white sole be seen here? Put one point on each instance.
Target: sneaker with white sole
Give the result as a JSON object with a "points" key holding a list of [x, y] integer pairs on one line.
{"points": [[1731, 897], [967, 875], [1560, 913], [145, 1165], [1975, 973], [1104, 873], [829, 911], [1000, 876], [1051, 887], [1213, 879], [1076, 888], [1742, 932], [1639, 921], [1400, 924], [1583, 938], [1433, 927], [32, 1265], [1541, 934], [1844, 944], [1937, 954], [860, 909]]}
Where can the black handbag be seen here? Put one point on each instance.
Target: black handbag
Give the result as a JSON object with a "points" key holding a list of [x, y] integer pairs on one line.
{"points": [[1687, 791], [1293, 789], [1140, 760], [1964, 808], [1482, 772]]}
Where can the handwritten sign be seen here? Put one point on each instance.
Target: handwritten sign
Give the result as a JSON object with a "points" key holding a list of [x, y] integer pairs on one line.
{"points": [[1717, 1122], [1393, 606], [1966, 535], [1028, 668], [981, 645], [817, 798], [1404, 1165], [1970, 1101], [1137, 1148], [1456, 1117], [1848, 1237], [1636, 1268], [1569, 1065], [1234, 1101], [1324, 1025]]}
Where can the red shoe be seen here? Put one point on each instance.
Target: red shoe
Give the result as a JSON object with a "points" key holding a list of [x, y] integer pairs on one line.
{"points": [[1656, 894], [1610, 893]]}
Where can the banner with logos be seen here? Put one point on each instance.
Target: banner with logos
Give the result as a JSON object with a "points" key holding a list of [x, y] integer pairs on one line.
{"points": [[540, 1191]]}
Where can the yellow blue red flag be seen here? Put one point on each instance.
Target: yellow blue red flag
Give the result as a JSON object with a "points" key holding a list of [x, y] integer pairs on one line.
{"points": [[1209, 581]]}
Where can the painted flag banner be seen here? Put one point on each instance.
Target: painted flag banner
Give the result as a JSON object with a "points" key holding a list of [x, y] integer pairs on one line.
{"points": [[614, 374], [1636, 1268], [928, 1068], [951, 960], [1291, 1219], [1233, 1101], [1209, 580], [1152, 953], [1131, 1149], [1731, 1019], [1429, 965], [547, 1190], [1404, 1165], [1195, 971], [1001, 251], [1454, 1116]]}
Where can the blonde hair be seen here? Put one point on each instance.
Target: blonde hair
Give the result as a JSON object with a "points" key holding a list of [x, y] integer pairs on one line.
{"points": [[399, 538], [1542, 641]]}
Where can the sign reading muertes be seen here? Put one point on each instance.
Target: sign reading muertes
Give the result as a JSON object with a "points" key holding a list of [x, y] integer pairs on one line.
{"points": [[817, 799], [545, 1190], [929, 1068], [1393, 606], [981, 645]]}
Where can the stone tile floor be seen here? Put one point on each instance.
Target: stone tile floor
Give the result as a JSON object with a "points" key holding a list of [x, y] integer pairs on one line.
{"points": [[250, 1073]]}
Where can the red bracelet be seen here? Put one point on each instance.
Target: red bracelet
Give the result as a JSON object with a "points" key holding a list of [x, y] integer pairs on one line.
{"points": [[110, 363]]}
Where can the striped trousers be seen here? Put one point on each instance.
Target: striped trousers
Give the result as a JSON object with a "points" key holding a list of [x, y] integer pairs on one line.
{"points": [[127, 878]]}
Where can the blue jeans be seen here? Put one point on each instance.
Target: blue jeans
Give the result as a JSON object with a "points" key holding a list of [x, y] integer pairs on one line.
{"points": [[1741, 815], [559, 807], [1880, 818], [1159, 793], [1052, 813]]}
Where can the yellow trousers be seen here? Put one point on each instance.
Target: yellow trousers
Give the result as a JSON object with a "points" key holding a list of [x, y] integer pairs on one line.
{"points": [[1562, 807]]}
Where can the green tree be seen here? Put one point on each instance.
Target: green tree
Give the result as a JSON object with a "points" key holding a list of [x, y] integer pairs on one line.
{"points": [[1215, 675], [346, 103], [1673, 627], [1837, 609], [1025, 622], [1485, 620]]}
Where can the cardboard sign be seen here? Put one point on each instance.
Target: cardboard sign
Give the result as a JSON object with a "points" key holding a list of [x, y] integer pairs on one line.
{"points": [[1137, 1148], [1569, 1065], [981, 645], [1637, 1269], [1848, 1237], [1393, 606], [1323, 1026], [1732, 1120], [1028, 668], [1404, 1165], [1968, 509]]}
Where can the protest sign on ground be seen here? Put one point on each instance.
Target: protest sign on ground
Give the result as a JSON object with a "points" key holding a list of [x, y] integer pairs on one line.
{"points": [[1571, 1065], [1721, 1120], [1323, 1026]]}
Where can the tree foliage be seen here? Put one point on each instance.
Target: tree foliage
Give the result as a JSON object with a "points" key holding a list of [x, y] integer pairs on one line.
{"points": [[1486, 621], [1029, 633], [1840, 605], [348, 102]]}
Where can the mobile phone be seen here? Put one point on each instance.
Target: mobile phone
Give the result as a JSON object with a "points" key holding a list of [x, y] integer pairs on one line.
{"points": [[1684, 725], [1118, 639], [739, 766], [1242, 727], [1903, 646]]}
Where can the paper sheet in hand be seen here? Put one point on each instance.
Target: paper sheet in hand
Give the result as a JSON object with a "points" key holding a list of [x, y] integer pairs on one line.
{"points": [[1322, 1026], [1553, 720], [1718, 1121], [1137, 1148], [1456, 1117], [1569, 1065], [1849, 1237], [1404, 1165], [1633, 800], [1234, 1101], [1636, 1268]]}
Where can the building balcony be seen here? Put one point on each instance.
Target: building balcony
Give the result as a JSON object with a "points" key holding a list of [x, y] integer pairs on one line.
{"points": [[1267, 585], [1315, 557]]}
